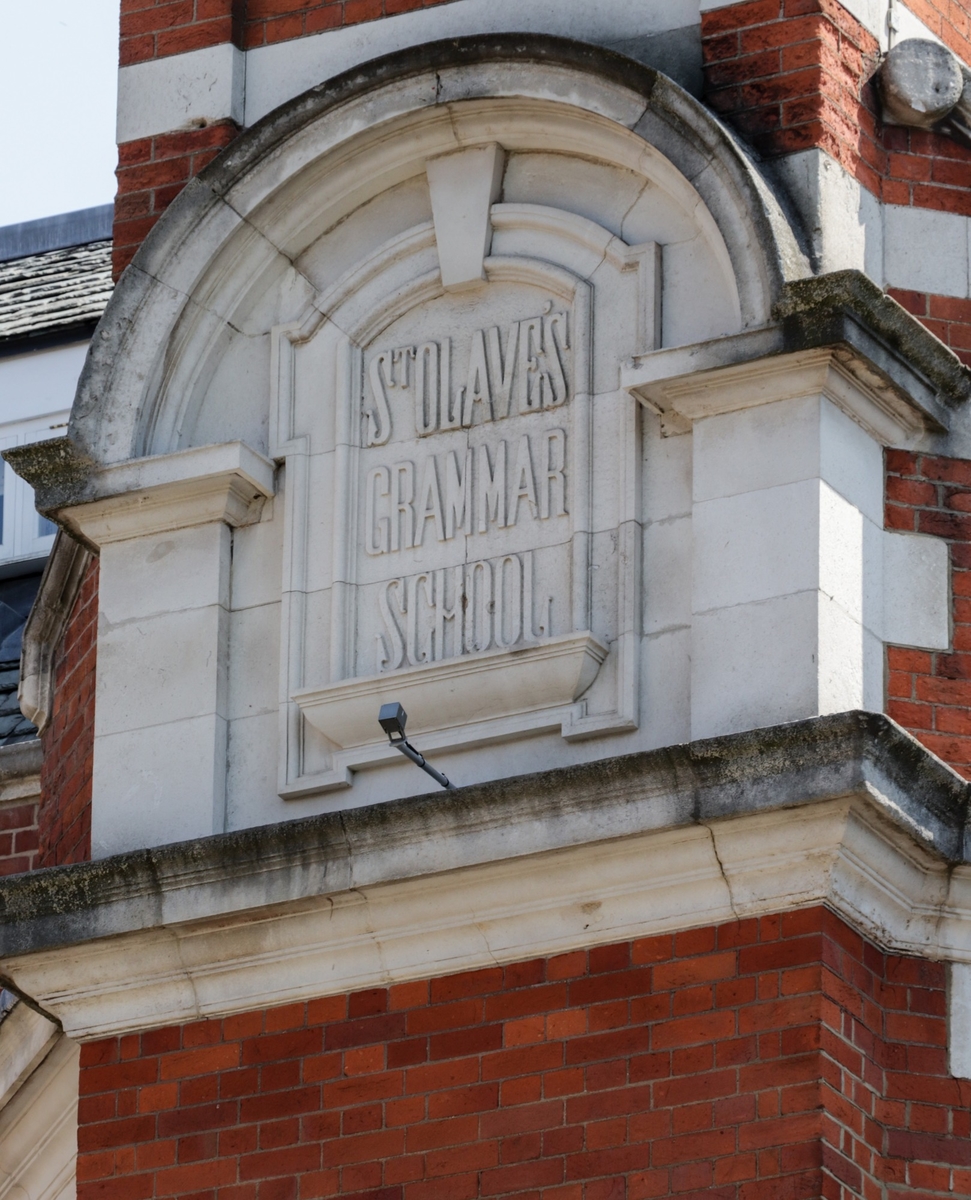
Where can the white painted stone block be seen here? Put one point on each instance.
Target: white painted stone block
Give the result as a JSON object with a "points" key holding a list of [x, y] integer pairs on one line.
{"points": [[666, 473], [151, 576], [839, 665], [258, 559], [916, 606], [807, 437], [756, 546], [841, 552], [754, 665], [159, 784], [925, 251], [667, 574], [851, 461], [254, 660], [160, 727], [788, 565], [154, 670], [463, 188], [181, 91], [251, 774], [756, 448], [959, 1020], [666, 697]]}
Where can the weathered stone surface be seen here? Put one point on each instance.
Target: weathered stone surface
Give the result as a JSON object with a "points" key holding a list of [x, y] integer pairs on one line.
{"points": [[711, 780]]}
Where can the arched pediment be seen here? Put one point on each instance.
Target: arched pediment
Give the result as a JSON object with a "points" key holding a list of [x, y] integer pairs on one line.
{"points": [[300, 203]]}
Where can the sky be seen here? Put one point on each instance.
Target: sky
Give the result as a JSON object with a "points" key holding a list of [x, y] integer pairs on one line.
{"points": [[58, 86]]}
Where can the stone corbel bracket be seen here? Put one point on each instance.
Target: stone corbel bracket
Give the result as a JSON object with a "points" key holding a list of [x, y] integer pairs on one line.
{"points": [[923, 85]]}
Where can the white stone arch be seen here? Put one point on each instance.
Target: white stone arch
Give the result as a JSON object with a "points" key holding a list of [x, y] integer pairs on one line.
{"points": [[238, 233]]}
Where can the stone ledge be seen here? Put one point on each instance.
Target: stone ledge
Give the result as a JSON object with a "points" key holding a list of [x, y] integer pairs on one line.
{"points": [[846, 810], [692, 784], [846, 307], [20, 760]]}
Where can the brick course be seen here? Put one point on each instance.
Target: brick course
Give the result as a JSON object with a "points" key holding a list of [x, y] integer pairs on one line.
{"points": [[158, 28], [950, 20], [153, 29], [64, 818], [793, 75], [929, 692], [788, 74], [268, 21], [151, 173], [947, 317], [781, 1057], [19, 836]]}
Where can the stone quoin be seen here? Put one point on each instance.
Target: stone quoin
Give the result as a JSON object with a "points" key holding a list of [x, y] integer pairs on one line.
{"points": [[593, 382]]}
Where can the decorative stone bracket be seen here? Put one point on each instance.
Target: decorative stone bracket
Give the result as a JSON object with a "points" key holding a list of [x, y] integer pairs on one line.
{"points": [[922, 85]]}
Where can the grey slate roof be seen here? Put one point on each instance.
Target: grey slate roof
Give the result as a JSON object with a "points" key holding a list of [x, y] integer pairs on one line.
{"points": [[54, 291]]}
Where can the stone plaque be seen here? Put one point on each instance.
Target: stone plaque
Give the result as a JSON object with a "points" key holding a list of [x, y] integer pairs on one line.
{"points": [[472, 500]]}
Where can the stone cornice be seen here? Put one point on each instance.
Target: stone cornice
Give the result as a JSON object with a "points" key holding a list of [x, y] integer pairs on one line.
{"points": [[838, 332], [846, 810], [694, 783]]}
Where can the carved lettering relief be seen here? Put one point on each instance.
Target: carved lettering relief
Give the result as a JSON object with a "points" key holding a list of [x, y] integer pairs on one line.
{"points": [[461, 511], [465, 476]]}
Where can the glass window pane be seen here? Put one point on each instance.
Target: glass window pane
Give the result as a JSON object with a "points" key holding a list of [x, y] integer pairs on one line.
{"points": [[44, 527]]}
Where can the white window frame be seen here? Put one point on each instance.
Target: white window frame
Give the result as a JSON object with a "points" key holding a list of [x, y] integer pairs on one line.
{"points": [[21, 521]]}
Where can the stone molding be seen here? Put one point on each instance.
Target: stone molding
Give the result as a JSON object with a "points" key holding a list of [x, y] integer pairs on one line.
{"points": [[845, 810], [39, 1131], [543, 675], [59, 586], [142, 497], [26, 1038]]}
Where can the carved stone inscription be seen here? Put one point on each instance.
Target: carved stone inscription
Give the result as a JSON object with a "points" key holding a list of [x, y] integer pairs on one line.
{"points": [[466, 482]]}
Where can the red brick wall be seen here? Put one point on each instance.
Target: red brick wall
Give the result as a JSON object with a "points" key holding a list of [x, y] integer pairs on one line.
{"points": [[947, 317], [950, 20], [791, 75], [19, 837], [281, 20], [157, 28], [929, 692], [65, 782], [788, 74], [777, 1058], [151, 173]]}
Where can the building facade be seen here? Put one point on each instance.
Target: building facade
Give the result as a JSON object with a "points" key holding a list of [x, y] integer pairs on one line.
{"points": [[591, 384]]}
